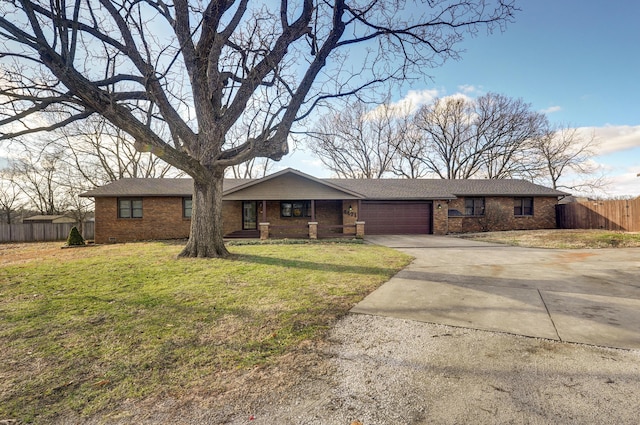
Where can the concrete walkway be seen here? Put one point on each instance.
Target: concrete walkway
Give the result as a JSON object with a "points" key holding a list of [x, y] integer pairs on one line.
{"points": [[583, 296]]}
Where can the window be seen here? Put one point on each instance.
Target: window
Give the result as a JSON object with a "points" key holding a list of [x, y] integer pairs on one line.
{"points": [[187, 205], [130, 208], [474, 206], [523, 206], [295, 209]]}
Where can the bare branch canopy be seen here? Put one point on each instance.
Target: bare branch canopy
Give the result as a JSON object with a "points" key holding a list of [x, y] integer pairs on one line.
{"points": [[181, 76]]}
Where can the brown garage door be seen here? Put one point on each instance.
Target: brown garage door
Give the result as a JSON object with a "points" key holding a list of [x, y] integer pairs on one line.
{"points": [[396, 218]]}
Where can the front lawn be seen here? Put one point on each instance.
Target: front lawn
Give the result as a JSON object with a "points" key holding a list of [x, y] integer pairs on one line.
{"points": [[561, 238], [85, 329]]}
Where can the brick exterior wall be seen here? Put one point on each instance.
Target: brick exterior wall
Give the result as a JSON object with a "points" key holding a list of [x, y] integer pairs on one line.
{"points": [[232, 216], [440, 218], [161, 219], [499, 216]]}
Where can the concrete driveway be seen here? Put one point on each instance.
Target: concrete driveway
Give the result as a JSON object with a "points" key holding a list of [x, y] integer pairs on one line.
{"points": [[583, 296]]}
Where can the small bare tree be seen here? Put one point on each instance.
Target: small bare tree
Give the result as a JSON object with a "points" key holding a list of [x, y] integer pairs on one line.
{"points": [[36, 176], [562, 150], [10, 196], [495, 218]]}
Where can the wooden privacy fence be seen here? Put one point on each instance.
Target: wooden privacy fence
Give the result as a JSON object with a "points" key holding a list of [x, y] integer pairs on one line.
{"points": [[608, 215], [40, 232]]}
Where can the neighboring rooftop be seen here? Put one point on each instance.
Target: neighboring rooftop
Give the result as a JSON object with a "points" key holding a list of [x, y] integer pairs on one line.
{"points": [[52, 218]]}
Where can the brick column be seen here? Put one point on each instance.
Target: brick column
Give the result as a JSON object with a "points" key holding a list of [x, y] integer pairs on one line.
{"points": [[264, 231], [440, 217], [313, 230], [359, 229]]}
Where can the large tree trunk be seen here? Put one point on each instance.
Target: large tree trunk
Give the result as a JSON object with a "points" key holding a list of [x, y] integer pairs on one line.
{"points": [[205, 239]]}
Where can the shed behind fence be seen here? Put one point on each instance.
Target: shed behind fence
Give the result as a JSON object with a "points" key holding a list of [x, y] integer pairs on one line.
{"points": [[40, 232], [620, 215]]}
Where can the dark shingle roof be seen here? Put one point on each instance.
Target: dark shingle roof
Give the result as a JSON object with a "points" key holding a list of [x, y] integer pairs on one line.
{"points": [[443, 189], [152, 187], [369, 188]]}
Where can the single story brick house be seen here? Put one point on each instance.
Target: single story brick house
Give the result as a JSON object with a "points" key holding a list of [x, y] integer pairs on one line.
{"points": [[290, 203]]}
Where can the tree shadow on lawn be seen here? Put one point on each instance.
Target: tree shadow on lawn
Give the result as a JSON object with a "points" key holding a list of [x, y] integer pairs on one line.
{"points": [[310, 265]]}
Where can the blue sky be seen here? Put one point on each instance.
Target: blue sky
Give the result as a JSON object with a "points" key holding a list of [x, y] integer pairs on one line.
{"points": [[578, 61]]}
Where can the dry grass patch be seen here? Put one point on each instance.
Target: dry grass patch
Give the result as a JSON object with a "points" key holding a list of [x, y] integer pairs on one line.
{"points": [[84, 330], [561, 238]]}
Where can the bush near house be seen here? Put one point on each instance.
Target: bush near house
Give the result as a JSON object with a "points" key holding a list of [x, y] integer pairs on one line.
{"points": [[75, 238]]}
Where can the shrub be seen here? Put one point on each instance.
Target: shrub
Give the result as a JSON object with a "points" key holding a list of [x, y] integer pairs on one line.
{"points": [[75, 238]]}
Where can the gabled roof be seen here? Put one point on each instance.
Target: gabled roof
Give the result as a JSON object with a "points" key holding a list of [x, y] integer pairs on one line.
{"points": [[289, 184], [276, 186]]}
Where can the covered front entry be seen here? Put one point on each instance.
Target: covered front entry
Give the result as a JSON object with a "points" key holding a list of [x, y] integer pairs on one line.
{"points": [[249, 215], [396, 218]]}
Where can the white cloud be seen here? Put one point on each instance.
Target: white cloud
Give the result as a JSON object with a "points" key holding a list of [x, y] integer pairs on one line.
{"points": [[470, 89], [623, 185], [416, 98], [413, 100], [614, 138], [551, 109]]}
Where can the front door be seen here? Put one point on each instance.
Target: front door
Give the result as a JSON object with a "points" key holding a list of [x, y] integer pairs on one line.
{"points": [[249, 215]]}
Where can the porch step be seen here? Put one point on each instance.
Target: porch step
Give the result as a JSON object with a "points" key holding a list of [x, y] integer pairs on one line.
{"points": [[243, 234]]}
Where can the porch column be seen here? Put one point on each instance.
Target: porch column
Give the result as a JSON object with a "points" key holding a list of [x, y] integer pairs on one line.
{"points": [[264, 211], [313, 230], [264, 231], [313, 210], [359, 229]]}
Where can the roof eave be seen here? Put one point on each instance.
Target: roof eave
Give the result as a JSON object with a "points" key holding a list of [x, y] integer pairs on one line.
{"points": [[297, 173]]}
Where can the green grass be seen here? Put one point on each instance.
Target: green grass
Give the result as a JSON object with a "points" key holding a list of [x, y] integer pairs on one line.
{"points": [[562, 239], [85, 329]]}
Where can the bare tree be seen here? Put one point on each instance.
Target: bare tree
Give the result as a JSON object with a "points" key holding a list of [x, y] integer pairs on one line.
{"points": [[357, 142], [178, 76], [36, 175], [410, 151], [10, 196], [507, 128], [488, 136], [563, 150], [102, 153], [447, 130]]}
